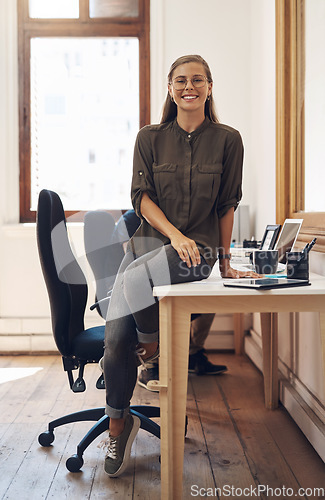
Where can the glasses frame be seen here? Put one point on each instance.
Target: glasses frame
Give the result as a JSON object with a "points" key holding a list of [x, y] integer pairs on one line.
{"points": [[191, 80]]}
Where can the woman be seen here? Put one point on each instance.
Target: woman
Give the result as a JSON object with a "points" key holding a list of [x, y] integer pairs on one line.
{"points": [[186, 185]]}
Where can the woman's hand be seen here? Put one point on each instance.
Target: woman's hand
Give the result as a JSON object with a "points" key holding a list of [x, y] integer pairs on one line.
{"points": [[186, 249], [230, 272]]}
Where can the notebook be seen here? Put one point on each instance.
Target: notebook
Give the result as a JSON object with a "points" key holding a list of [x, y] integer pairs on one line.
{"points": [[265, 283]]}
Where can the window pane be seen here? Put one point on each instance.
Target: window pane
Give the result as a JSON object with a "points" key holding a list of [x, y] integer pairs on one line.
{"points": [[314, 106], [84, 119], [113, 8], [46, 9]]}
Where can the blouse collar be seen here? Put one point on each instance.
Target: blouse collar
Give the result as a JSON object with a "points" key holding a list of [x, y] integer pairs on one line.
{"points": [[195, 132]]}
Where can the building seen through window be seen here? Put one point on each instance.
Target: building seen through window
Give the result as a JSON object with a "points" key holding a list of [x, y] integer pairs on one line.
{"points": [[84, 119]]}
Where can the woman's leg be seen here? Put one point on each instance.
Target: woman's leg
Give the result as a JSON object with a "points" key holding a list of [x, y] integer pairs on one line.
{"points": [[119, 362], [133, 317], [156, 268]]}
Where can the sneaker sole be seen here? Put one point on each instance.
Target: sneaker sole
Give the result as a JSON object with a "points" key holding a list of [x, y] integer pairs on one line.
{"points": [[127, 451], [146, 387]]}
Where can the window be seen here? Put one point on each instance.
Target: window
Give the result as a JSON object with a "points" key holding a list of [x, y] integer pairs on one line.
{"points": [[84, 93], [293, 125]]}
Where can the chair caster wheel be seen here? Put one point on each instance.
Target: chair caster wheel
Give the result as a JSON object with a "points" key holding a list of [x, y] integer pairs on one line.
{"points": [[74, 463], [46, 438]]}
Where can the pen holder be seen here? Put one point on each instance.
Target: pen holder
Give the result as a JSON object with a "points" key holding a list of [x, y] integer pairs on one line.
{"points": [[298, 265]]}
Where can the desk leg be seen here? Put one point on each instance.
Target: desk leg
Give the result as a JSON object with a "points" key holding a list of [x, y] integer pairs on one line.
{"points": [[239, 333], [173, 373], [269, 324]]}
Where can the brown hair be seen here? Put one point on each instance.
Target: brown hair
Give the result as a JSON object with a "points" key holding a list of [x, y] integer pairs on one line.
{"points": [[169, 111]]}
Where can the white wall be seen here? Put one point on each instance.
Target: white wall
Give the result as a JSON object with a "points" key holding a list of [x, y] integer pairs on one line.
{"points": [[225, 34]]}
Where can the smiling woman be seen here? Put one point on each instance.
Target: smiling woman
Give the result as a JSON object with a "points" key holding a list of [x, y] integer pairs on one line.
{"points": [[204, 73], [187, 174]]}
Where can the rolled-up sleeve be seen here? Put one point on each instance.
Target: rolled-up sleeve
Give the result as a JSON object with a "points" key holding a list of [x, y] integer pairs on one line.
{"points": [[230, 191], [142, 180]]}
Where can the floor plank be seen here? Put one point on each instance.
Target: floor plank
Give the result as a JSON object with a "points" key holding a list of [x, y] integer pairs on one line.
{"points": [[245, 402], [229, 461], [231, 440]]}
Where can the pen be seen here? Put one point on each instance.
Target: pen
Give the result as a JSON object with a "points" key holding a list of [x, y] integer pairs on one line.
{"points": [[310, 246], [304, 250]]}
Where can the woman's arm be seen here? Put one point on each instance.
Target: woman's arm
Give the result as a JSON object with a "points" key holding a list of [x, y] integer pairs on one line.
{"points": [[185, 247]]}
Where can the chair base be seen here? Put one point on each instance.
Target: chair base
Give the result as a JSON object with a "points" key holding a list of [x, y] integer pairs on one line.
{"points": [[75, 462]]}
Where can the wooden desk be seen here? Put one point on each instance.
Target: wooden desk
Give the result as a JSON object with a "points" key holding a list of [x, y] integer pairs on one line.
{"points": [[177, 302]]}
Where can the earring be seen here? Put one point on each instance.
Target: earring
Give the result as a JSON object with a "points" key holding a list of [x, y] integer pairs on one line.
{"points": [[208, 98], [171, 98]]}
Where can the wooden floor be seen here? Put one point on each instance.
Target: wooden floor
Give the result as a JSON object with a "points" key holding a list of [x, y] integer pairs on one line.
{"points": [[232, 442]]}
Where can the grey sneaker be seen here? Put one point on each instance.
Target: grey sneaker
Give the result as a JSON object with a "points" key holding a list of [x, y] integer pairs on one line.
{"points": [[142, 352], [119, 448]]}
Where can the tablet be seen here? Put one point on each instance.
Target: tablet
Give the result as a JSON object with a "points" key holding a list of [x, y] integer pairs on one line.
{"points": [[265, 283]]}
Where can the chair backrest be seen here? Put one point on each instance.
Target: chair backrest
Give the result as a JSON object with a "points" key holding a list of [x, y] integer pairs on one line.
{"points": [[65, 281], [103, 254]]}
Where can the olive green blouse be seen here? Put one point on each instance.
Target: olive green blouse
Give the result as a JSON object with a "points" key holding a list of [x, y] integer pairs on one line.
{"points": [[193, 177]]}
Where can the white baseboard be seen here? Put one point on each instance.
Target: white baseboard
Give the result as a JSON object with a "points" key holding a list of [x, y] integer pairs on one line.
{"points": [[310, 424], [220, 340], [31, 335], [305, 409], [27, 343]]}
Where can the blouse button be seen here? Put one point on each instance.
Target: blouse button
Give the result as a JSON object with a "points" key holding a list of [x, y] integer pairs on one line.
{"points": [[140, 173]]}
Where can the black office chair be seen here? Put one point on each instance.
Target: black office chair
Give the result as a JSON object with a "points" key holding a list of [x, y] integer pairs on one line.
{"points": [[103, 255], [67, 290]]}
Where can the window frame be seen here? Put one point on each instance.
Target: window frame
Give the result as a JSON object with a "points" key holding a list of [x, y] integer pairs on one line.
{"points": [[290, 123], [138, 27]]}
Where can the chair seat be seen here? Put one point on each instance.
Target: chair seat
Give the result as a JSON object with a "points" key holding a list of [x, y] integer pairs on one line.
{"points": [[89, 344]]}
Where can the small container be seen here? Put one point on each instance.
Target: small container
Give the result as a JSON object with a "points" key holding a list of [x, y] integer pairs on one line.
{"points": [[298, 265], [265, 261]]}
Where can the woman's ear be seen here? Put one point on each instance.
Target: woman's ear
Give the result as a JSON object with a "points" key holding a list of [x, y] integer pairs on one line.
{"points": [[170, 92]]}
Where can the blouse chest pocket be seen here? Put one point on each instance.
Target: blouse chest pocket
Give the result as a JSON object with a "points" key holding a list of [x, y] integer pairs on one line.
{"points": [[165, 180], [208, 180]]}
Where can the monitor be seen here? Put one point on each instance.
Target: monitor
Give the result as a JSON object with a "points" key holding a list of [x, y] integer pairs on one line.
{"points": [[287, 238], [270, 237]]}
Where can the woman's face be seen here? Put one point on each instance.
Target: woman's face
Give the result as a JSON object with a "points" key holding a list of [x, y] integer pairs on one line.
{"points": [[191, 97]]}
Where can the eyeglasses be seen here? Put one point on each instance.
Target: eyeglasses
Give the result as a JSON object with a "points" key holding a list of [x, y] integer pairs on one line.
{"points": [[180, 82]]}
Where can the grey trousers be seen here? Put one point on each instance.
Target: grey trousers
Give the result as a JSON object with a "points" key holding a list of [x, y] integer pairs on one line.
{"points": [[133, 317], [200, 328]]}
